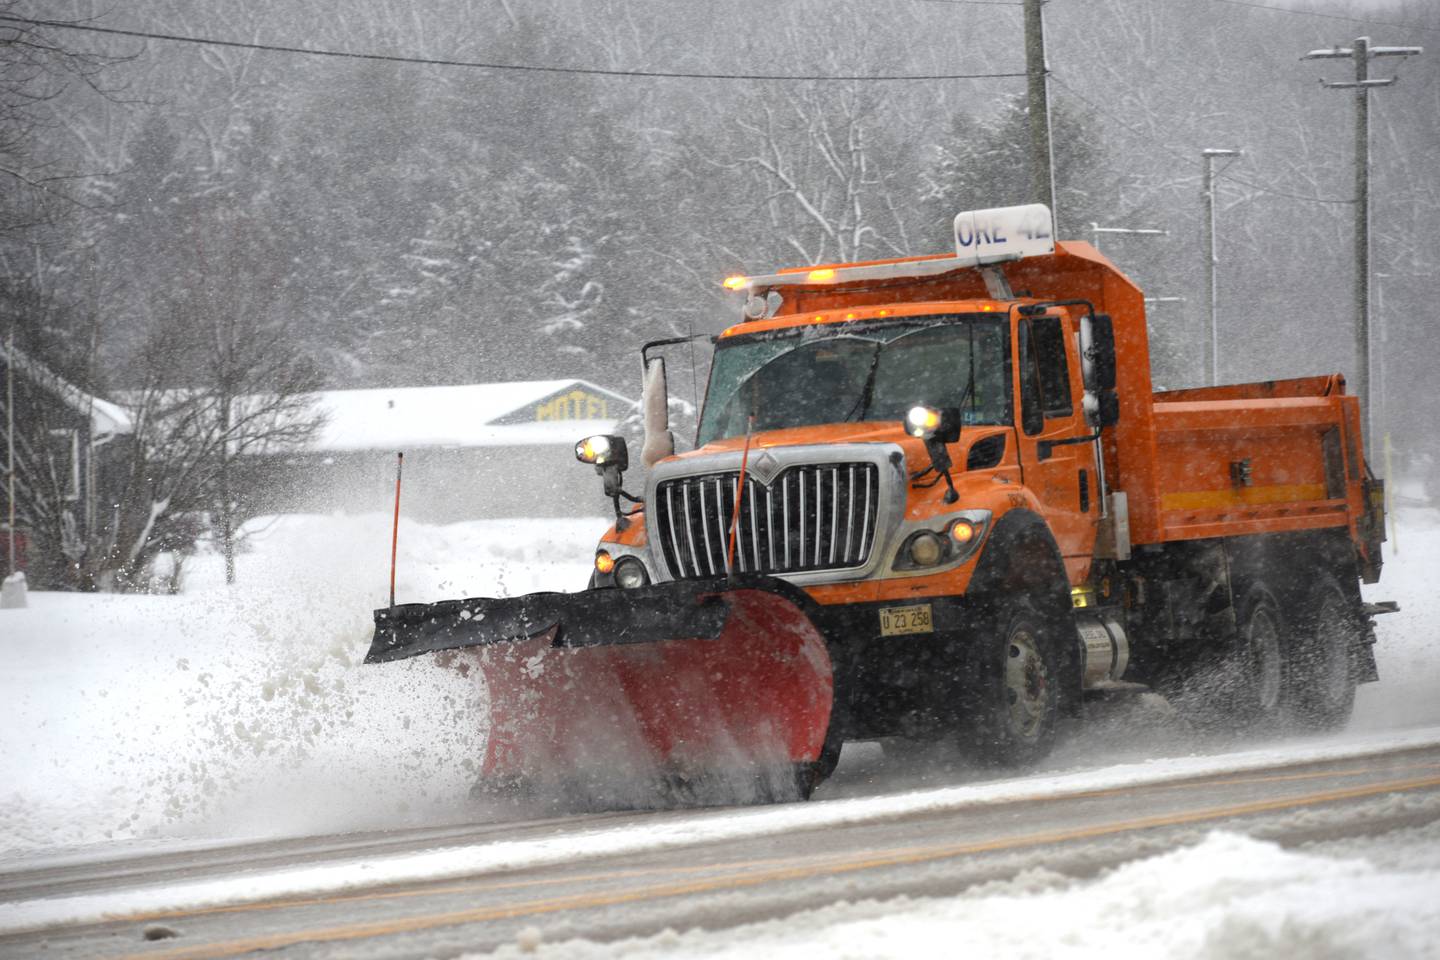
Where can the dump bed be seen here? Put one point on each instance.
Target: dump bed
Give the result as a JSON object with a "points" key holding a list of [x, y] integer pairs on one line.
{"points": [[1267, 457]]}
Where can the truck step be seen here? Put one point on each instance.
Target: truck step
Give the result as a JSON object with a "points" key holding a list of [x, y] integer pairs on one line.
{"points": [[1382, 606]]}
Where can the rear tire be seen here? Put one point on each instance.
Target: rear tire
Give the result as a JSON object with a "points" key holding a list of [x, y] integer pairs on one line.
{"points": [[1242, 689], [1260, 662], [1016, 681], [1319, 682]]}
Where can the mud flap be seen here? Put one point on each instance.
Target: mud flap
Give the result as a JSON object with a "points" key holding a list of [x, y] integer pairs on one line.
{"points": [[720, 679]]}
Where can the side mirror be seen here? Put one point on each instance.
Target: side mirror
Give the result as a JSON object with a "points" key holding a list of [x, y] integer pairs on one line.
{"points": [[936, 427], [659, 442], [1097, 352], [1098, 362], [609, 455]]}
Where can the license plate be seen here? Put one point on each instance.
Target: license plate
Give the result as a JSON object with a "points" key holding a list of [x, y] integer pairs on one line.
{"points": [[895, 621]]}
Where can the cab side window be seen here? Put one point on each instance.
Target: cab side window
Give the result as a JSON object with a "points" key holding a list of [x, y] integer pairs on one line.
{"points": [[1054, 368], [1032, 418]]}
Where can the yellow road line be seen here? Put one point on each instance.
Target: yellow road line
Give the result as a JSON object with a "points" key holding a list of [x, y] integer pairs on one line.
{"points": [[868, 861], [426, 891]]}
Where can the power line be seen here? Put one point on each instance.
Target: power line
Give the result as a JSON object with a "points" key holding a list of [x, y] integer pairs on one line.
{"points": [[1282, 193], [977, 3], [1327, 16], [1193, 152], [527, 68]]}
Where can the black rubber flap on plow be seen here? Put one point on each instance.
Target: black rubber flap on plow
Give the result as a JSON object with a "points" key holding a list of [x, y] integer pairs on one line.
{"points": [[690, 609]]}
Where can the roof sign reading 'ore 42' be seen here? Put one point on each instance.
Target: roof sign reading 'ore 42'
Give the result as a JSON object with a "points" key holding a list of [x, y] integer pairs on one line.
{"points": [[981, 237], [1004, 233]]}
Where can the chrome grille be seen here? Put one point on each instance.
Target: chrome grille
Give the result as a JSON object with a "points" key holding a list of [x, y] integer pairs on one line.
{"points": [[811, 517]]}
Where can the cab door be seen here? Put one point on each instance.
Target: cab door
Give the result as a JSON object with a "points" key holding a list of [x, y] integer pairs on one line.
{"points": [[1061, 475]]}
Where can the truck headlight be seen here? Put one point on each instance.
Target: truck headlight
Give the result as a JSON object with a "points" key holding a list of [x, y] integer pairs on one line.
{"points": [[925, 549], [630, 573], [950, 542]]}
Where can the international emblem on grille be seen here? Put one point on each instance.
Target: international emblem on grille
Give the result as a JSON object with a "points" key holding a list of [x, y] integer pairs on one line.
{"points": [[764, 468]]}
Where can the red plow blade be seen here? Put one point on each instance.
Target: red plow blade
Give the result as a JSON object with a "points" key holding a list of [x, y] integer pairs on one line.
{"points": [[703, 691]]}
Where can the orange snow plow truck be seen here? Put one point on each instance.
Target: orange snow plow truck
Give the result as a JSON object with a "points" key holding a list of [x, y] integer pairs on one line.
{"points": [[932, 498]]}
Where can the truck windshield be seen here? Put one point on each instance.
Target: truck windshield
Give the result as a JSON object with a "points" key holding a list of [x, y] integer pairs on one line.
{"points": [[815, 375]]}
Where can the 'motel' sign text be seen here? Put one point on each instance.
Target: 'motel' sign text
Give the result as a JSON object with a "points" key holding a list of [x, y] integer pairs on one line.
{"points": [[1004, 233]]}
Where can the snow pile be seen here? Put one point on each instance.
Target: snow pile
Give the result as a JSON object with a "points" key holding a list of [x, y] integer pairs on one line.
{"points": [[1226, 898], [244, 711]]}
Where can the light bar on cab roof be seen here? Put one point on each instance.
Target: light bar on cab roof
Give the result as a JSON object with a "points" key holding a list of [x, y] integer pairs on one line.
{"points": [[981, 237], [830, 276]]}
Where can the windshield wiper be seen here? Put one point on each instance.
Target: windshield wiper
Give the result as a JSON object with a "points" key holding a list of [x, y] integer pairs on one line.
{"points": [[862, 403]]}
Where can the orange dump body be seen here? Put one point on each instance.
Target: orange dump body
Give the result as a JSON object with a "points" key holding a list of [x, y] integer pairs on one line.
{"points": [[1258, 458]]}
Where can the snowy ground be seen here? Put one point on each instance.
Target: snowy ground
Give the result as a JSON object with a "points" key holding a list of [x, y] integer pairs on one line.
{"points": [[237, 712], [242, 712]]}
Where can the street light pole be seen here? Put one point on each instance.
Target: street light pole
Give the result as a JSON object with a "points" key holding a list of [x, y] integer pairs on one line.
{"points": [[1207, 190], [1361, 53]]}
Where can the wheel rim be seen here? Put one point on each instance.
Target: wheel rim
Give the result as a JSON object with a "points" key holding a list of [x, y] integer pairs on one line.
{"points": [[1027, 685], [1265, 644]]}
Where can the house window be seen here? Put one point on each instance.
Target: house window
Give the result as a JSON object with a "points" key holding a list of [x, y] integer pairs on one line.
{"points": [[65, 462]]}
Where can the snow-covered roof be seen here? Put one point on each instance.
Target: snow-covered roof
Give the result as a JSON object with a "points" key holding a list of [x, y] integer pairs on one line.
{"points": [[106, 419], [522, 413]]}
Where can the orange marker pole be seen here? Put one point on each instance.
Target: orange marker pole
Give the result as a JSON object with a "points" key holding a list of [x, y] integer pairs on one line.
{"points": [[395, 530], [739, 496]]}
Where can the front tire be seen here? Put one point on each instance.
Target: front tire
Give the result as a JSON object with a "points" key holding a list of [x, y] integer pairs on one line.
{"points": [[1016, 683]]}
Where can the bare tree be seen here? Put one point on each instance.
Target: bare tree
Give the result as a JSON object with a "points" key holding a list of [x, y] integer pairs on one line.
{"points": [[221, 380], [36, 72], [214, 393]]}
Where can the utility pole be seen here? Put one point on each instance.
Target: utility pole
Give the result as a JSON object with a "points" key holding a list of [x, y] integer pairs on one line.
{"points": [[1207, 192], [1037, 102], [1361, 53], [10, 442]]}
